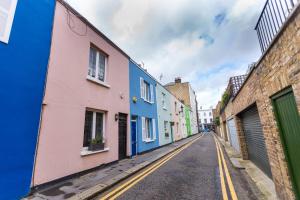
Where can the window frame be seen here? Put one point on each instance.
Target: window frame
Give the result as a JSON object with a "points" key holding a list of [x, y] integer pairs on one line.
{"points": [[143, 90], [9, 22], [96, 79], [94, 122], [163, 101], [167, 134]]}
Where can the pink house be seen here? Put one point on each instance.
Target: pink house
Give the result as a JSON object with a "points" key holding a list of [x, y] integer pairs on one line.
{"points": [[84, 120]]}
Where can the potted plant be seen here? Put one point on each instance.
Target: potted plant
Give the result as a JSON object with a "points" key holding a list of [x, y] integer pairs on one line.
{"points": [[97, 144]]}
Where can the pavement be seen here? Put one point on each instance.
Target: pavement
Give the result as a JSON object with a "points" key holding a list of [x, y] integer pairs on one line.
{"points": [[193, 173], [86, 186], [264, 184]]}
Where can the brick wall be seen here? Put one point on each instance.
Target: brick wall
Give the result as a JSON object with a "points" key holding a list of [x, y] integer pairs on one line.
{"points": [[278, 68]]}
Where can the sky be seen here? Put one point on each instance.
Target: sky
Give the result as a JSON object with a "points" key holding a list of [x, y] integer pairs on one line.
{"points": [[204, 42]]}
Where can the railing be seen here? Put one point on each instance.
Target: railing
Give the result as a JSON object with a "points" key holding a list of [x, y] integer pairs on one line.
{"points": [[271, 19]]}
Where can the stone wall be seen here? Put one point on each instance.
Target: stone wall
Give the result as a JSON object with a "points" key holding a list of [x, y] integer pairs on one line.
{"points": [[277, 69]]}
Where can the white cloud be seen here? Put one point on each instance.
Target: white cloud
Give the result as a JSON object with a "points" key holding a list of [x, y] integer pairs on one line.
{"points": [[165, 35]]}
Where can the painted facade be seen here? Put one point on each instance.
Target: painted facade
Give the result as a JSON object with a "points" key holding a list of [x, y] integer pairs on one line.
{"points": [[187, 113], [164, 112], [185, 93], [25, 37], [143, 110], [87, 91], [179, 125], [193, 110]]}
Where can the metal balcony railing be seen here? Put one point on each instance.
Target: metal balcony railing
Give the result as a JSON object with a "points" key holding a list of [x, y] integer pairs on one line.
{"points": [[271, 19]]}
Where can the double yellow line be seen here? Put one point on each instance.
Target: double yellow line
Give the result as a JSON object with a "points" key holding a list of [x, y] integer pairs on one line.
{"points": [[130, 183], [222, 164]]}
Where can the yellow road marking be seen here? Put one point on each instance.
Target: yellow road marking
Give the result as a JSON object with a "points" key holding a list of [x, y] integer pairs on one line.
{"points": [[228, 177], [127, 185], [223, 186]]}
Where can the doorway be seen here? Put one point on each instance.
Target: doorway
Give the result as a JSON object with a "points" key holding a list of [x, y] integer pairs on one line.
{"points": [[122, 135], [133, 136], [288, 120]]}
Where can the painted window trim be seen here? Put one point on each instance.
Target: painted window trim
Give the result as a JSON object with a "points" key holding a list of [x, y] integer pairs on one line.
{"points": [[152, 130], [97, 81], [85, 152], [9, 22], [143, 91]]}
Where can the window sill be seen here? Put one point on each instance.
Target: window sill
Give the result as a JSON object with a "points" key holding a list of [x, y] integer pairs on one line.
{"points": [[97, 81], [148, 141], [85, 152], [148, 101]]}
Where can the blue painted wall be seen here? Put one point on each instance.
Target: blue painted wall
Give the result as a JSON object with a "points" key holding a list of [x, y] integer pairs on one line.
{"points": [[23, 66], [142, 108]]}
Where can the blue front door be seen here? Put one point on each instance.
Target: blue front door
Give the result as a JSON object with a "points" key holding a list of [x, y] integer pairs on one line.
{"points": [[133, 138]]}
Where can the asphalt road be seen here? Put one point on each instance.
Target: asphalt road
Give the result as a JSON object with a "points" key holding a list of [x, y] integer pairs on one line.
{"points": [[191, 174]]}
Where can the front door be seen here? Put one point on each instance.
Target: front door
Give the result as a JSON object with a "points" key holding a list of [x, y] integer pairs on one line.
{"points": [[133, 137], [122, 135], [289, 125]]}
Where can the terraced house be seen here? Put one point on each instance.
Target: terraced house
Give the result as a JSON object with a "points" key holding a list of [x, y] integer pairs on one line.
{"points": [[265, 110], [143, 110], [84, 121]]}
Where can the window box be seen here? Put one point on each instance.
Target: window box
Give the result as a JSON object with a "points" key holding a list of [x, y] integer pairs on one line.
{"points": [[96, 147]]}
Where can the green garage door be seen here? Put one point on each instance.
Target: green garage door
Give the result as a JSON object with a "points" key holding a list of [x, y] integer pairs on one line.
{"points": [[289, 124]]}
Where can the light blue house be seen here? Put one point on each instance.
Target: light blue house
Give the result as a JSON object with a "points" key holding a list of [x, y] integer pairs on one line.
{"points": [[143, 110], [165, 118], [25, 37]]}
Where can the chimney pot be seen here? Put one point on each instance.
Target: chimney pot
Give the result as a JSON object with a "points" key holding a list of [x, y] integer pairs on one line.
{"points": [[178, 80]]}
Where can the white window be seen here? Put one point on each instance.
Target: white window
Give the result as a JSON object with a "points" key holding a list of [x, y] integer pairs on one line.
{"points": [[146, 91], [204, 114], [7, 13], [211, 120], [148, 129], [209, 113], [97, 65], [205, 121], [94, 130], [166, 129], [163, 100]]}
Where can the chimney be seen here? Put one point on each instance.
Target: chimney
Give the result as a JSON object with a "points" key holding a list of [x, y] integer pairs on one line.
{"points": [[178, 80]]}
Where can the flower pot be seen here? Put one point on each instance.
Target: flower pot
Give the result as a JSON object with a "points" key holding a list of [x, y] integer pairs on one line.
{"points": [[96, 147]]}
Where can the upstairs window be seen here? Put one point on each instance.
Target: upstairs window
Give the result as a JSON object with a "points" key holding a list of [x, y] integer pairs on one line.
{"points": [[147, 92], [163, 100], [94, 131], [148, 129], [205, 121], [7, 13], [97, 65]]}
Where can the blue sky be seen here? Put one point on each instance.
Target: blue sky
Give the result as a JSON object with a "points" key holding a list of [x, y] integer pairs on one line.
{"points": [[204, 42]]}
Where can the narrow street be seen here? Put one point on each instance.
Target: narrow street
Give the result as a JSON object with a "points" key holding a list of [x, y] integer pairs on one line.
{"points": [[190, 173]]}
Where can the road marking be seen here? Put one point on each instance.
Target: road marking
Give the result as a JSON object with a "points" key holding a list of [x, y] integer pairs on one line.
{"points": [[228, 177], [130, 183], [223, 186]]}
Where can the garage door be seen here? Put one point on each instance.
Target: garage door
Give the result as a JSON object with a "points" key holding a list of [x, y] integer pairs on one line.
{"points": [[255, 140], [233, 135]]}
